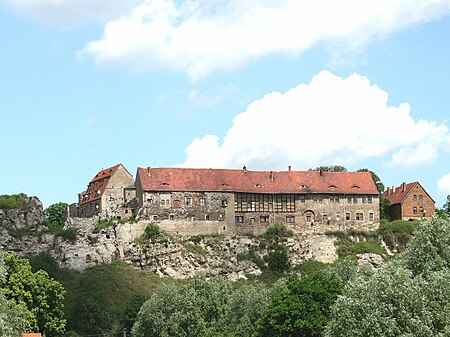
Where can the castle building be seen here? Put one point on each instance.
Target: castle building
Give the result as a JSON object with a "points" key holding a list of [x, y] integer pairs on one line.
{"points": [[409, 202], [107, 194], [236, 200]]}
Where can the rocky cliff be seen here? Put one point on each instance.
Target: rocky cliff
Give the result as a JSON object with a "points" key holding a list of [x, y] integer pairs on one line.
{"points": [[25, 232]]}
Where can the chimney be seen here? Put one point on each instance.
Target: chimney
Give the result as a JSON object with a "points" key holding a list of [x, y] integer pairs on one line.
{"points": [[388, 190], [403, 187], [271, 175], [148, 171], [289, 168], [392, 190], [244, 168], [321, 173]]}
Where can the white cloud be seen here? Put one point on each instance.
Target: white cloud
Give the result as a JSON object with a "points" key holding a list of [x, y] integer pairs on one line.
{"points": [[72, 12], [330, 121], [444, 184], [198, 36]]}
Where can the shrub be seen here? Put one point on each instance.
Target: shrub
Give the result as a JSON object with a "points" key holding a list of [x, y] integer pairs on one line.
{"points": [[397, 234], [354, 248], [13, 201], [277, 232], [278, 259], [152, 231], [196, 249], [102, 224], [68, 234]]}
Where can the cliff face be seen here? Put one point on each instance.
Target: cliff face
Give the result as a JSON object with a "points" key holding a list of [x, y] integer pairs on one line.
{"points": [[25, 232]]}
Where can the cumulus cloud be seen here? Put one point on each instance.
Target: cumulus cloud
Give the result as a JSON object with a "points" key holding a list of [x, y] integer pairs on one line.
{"points": [[198, 36], [444, 184], [72, 12], [332, 120]]}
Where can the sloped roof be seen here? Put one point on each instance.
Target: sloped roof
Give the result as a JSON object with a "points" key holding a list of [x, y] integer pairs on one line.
{"points": [[397, 195], [97, 185], [227, 180]]}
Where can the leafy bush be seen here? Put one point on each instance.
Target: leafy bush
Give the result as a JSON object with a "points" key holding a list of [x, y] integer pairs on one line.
{"points": [[277, 232], [196, 249], [102, 224], [68, 234], [13, 201], [152, 231], [278, 259], [252, 256], [397, 234], [310, 266], [354, 248], [43, 261], [55, 215]]}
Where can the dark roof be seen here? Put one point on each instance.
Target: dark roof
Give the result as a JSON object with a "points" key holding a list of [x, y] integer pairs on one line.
{"points": [[97, 185], [227, 180]]}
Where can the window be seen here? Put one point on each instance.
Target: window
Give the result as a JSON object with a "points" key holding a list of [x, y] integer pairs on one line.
{"points": [[325, 217], [149, 200], [349, 200], [308, 218], [360, 216], [188, 201], [290, 219], [302, 198], [414, 197], [414, 209], [171, 217], [264, 218], [421, 209], [155, 218], [190, 218], [284, 205], [320, 198], [220, 217], [207, 218], [315, 198], [201, 201], [224, 203], [369, 199], [239, 218], [270, 206], [347, 216], [260, 202], [420, 197], [363, 199], [338, 217], [370, 216], [163, 202], [334, 198], [355, 200]]}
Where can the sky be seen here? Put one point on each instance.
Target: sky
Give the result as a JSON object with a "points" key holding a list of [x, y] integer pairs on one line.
{"points": [[87, 84]]}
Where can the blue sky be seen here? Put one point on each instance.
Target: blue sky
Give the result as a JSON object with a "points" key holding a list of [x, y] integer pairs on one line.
{"points": [[87, 84]]}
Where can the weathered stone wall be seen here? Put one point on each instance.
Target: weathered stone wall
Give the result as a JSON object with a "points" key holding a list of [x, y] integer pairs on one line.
{"points": [[114, 196]]}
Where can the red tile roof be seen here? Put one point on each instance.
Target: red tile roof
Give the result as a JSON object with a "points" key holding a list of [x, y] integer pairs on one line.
{"points": [[187, 179], [97, 185], [398, 194]]}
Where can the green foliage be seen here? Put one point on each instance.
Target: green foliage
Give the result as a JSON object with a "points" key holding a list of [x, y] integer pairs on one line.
{"points": [[67, 234], [278, 259], [252, 256], [396, 234], [354, 248], [41, 295], [13, 317], [102, 224], [277, 232], [152, 232], [201, 308], [43, 261], [376, 179], [310, 266], [302, 308], [444, 212], [97, 299], [429, 249], [196, 249], [55, 215], [128, 317], [384, 209], [409, 297], [332, 168], [13, 201]]}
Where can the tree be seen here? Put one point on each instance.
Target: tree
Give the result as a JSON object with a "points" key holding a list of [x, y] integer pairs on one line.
{"points": [[444, 212], [12, 316], [41, 295], [301, 308], [376, 179], [409, 297], [55, 215], [384, 208], [332, 168]]}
